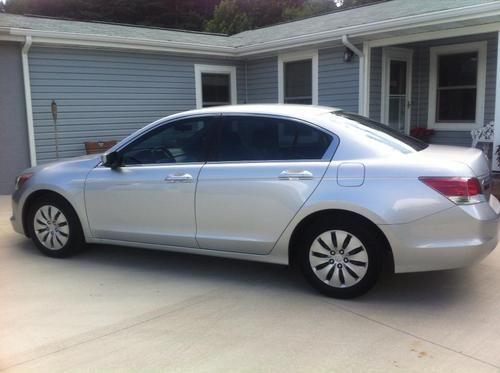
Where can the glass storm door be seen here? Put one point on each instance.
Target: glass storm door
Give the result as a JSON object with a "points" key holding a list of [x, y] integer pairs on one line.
{"points": [[396, 91]]}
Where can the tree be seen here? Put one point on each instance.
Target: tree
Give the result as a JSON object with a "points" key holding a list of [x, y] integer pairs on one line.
{"points": [[233, 16], [226, 16]]}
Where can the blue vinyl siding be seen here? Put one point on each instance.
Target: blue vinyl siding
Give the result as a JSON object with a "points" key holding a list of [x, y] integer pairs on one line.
{"points": [[376, 84], [103, 95], [338, 84], [457, 138], [262, 80], [14, 148]]}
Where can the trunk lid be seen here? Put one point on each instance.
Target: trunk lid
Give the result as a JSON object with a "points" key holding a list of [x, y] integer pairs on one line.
{"points": [[472, 157]]}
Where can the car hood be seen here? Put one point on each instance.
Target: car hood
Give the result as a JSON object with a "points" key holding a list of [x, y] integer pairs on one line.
{"points": [[86, 161]]}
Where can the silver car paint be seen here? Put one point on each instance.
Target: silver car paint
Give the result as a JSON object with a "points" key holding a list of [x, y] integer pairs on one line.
{"points": [[245, 207], [426, 230], [66, 178], [143, 203]]}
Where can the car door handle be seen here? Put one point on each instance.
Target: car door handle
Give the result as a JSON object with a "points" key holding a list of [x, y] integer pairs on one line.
{"points": [[296, 175], [179, 178]]}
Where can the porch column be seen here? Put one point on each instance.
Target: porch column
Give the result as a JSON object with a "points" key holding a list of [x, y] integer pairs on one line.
{"points": [[496, 142], [365, 103]]}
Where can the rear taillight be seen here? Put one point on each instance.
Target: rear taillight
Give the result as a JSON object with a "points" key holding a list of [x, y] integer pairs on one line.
{"points": [[459, 190]]}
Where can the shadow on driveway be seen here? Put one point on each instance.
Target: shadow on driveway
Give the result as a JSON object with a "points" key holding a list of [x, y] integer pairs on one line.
{"points": [[440, 289]]}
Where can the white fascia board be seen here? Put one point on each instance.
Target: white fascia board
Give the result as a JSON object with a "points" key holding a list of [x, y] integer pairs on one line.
{"points": [[100, 41], [17, 39], [433, 35]]}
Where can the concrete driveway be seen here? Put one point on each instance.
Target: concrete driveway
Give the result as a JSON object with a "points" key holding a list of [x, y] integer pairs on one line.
{"points": [[115, 308]]}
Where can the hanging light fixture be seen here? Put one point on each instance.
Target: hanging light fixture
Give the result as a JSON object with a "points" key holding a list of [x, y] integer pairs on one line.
{"points": [[348, 54]]}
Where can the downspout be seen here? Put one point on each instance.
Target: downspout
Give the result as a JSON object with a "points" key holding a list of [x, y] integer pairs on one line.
{"points": [[27, 98], [362, 85]]}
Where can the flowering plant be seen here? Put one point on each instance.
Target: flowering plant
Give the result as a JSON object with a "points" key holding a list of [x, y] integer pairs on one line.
{"points": [[422, 133]]}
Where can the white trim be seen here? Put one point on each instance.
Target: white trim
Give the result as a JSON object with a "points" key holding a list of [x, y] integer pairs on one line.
{"points": [[434, 35], [214, 69], [481, 48], [365, 82], [7, 37], [299, 56], [496, 143], [396, 54], [119, 42], [27, 98]]}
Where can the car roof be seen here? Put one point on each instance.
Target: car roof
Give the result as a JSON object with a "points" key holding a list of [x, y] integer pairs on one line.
{"points": [[287, 110]]}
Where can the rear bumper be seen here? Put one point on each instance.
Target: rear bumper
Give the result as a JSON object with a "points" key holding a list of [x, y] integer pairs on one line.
{"points": [[454, 238]]}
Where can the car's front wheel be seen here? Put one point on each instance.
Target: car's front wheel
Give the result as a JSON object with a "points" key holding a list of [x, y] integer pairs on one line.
{"points": [[341, 258], [54, 227]]}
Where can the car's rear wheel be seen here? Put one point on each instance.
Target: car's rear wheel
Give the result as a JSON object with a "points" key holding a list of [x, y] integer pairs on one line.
{"points": [[54, 227], [341, 259]]}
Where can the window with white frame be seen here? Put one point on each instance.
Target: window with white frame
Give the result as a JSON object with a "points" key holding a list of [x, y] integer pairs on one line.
{"points": [[215, 85], [457, 86], [298, 78]]}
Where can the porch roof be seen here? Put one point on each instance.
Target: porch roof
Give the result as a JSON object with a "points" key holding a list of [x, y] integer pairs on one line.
{"points": [[374, 14]]}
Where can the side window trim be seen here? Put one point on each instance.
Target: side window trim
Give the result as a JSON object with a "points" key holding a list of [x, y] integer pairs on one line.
{"points": [[327, 156]]}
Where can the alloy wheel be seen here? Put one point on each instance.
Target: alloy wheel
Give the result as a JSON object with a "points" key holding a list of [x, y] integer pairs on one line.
{"points": [[51, 227], [338, 258]]}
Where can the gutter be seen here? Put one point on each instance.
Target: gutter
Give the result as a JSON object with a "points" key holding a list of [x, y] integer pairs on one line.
{"points": [[27, 99], [68, 38], [348, 44], [362, 73]]}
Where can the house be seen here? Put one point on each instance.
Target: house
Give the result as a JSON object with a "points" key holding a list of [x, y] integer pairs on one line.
{"points": [[406, 63]]}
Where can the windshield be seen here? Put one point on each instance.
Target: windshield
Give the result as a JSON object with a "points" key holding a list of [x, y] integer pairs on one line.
{"points": [[382, 133]]}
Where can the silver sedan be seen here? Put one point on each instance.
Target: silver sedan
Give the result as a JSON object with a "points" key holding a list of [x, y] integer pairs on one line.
{"points": [[333, 192]]}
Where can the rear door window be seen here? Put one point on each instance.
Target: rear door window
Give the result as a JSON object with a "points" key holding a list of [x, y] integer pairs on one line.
{"points": [[254, 138]]}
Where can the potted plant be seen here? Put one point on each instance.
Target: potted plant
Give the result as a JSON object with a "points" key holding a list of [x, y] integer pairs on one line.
{"points": [[422, 133]]}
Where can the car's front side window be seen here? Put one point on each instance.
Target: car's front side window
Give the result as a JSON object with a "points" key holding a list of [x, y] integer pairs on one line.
{"points": [[258, 138], [178, 142]]}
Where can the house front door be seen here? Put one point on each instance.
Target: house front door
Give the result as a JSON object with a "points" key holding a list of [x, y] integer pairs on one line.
{"points": [[396, 88]]}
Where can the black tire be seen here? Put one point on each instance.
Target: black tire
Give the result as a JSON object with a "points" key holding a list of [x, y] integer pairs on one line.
{"points": [[71, 242], [372, 256]]}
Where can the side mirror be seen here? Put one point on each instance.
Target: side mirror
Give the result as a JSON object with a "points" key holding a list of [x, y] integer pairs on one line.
{"points": [[112, 160]]}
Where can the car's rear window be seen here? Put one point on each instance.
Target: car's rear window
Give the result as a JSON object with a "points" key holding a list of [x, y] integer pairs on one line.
{"points": [[382, 133]]}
